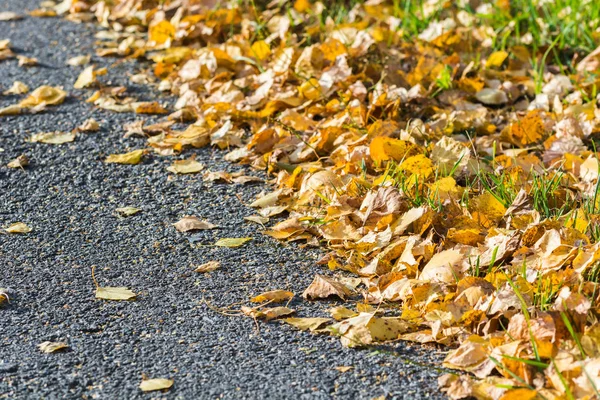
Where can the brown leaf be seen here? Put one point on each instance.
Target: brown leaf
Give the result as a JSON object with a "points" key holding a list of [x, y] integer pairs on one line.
{"points": [[192, 223], [323, 287]]}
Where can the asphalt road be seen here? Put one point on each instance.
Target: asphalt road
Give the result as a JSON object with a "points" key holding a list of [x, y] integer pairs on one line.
{"points": [[69, 196]]}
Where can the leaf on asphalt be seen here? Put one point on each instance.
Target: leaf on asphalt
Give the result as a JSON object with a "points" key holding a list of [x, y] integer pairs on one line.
{"points": [[257, 219], [307, 324], [189, 166], [132, 158], [89, 125], [18, 227], [19, 162], [343, 368], [27, 61], [191, 223], [114, 293], [17, 88], [53, 137], [149, 385], [208, 267], [323, 287], [275, 296], [340, 312], [52, 347], [9, 16], [79, 60], [366, 328], [86, 78], [4, 298], [267, 313], [128, 211], [47, 95], [232, 242], [11, 110]]}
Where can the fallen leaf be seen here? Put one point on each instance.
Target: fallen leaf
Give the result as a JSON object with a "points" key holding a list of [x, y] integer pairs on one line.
{"points": [[133, 157], [44, 94], [114, 293], [9, 16], [323, 287], [208, 267], [307, 324], [189, 166], [17, 87], [343, 369], [128, 211], [275, 296], [19, 162], [52, 347], [4, 298], [89, 125], [232, 242], [257, 219], [27, 61], [86, 78], [191, 223], [149, 385], [53, 137], [18, 227], [79, 60]]}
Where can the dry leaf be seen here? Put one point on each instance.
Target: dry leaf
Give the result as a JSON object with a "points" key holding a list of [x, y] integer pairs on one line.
{"points": [[343, 369], [47, 95], [4, 298], [208, 267], [133, 157], [9, 16], [52, 347], [149, 385], [232, 242], [27, 61], [86, 78], [114, 293], [18, 227], [275, 296], [191, 223], [19, 162], [128, 211], [17, 87], [257, 219], [53, 137], [307, 324], [186, 167], [323, 287], [79, 60], [89, 125]]}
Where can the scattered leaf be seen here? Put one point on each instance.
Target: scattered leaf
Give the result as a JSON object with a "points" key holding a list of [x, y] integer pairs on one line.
{"points": [[53, 137], [52, 347], [128, 211], [18, 227], [323, 287], [189, 166], [149, 385], [232, 242], [133, 157], [191, 223], [114, 293], [208, 267], [20, 162], [275, 296], [307, 324]]}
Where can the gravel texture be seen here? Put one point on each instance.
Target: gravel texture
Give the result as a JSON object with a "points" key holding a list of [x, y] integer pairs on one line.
{"points": [[69, 196]]}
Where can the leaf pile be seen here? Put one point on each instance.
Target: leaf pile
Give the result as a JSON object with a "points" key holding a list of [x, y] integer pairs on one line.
{"points": [[453, 175]]}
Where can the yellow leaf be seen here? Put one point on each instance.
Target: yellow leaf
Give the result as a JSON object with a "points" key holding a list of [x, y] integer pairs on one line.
{"points": [[3, 297], [486, 209], [261, 50], [52, 347], [275, 296], [128, 211], [161, 32], [114, 293], [86, 78], [311, 89], [307, 324], [149, 385], [44, 94], [302, 5], [185, 167], [383, 148], [133, 157], [53, 137], [232, 242], [343, 369], [496, 59], [18, 227], [149, 107], [340, 312]]}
